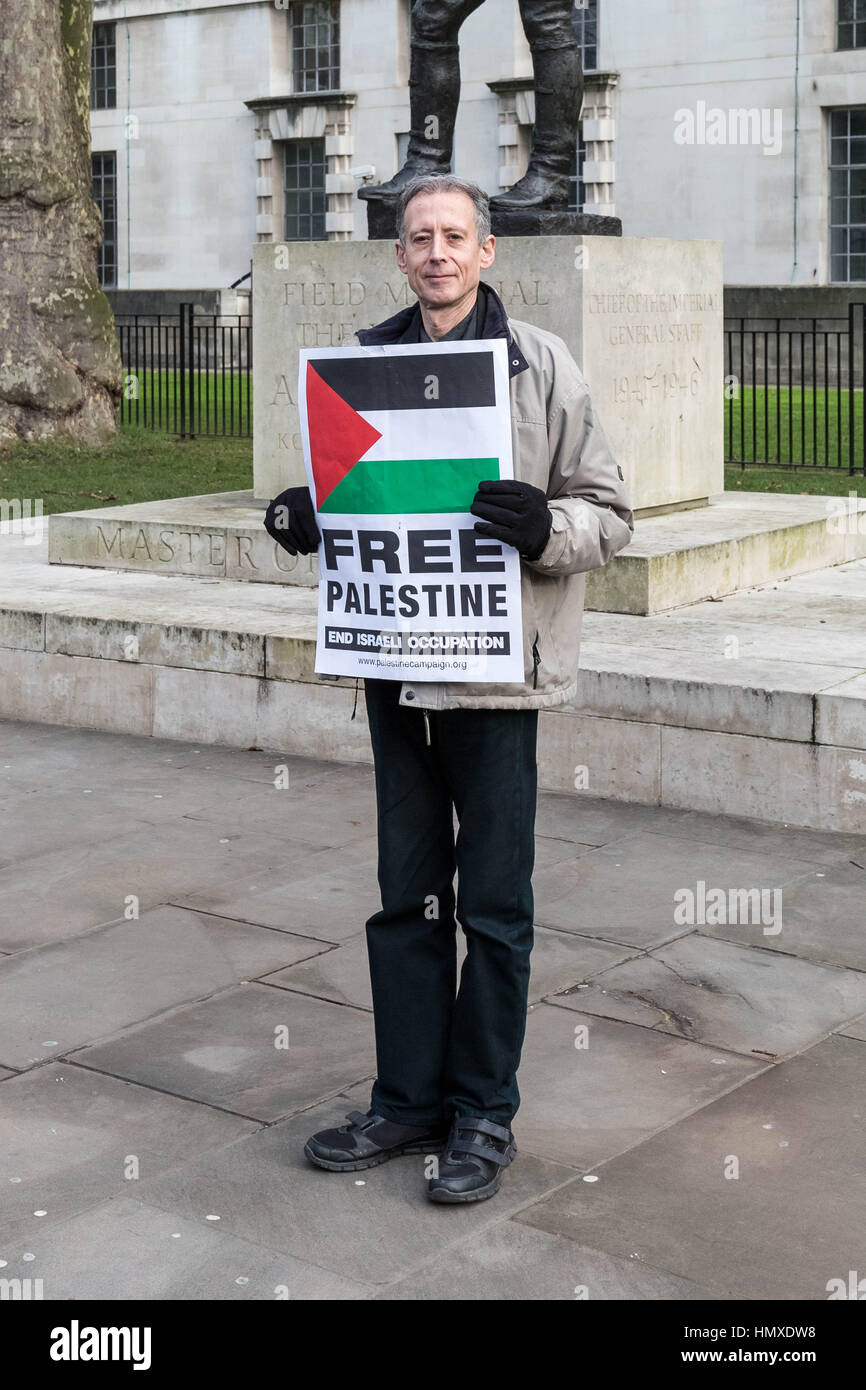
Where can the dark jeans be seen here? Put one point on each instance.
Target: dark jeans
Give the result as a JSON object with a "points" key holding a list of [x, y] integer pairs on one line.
{"points": [[441, 1051]]}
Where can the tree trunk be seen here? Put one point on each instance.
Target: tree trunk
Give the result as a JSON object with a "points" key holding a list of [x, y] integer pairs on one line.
{"points": [[60, 369]]}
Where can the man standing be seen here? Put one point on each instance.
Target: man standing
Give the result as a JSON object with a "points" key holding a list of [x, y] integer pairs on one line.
{"points": [[447, 1058]]}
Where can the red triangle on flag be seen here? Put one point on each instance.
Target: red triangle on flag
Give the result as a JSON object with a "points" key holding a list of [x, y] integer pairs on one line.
{"points": [[339, 436]]}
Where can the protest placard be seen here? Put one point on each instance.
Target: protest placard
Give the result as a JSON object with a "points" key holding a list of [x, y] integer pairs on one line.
{"points": [[396, 439]]}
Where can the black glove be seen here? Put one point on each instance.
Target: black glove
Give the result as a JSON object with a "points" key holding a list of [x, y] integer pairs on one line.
{"points": [[291, 520], [518, 511]]}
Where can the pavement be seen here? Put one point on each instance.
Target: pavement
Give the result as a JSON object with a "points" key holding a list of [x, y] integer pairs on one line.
{"points": [[184, 996]]}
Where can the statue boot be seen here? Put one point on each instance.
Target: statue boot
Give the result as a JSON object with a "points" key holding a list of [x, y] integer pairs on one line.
{"points": [[434, 92], [558, 98]]}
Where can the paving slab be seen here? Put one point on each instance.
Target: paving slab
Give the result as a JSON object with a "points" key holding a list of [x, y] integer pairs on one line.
{"points": [[329, 815], [93, 804], [786, 841], [268, 790], [326, 895], [53, 896], [510, 1261], [68, 1135], [44, 821], [789, 1223], [228, 1051], [249, 764], [591, 1087], [30, 753], [624, 891], [334, 902], [125, 1249], [558, 957], [822, 918], [343, 974], [260, 890], [371, 1226], [711, 629], [37, 755], [126, 972], [550, 849], [839, 579], [41, 821], [596, 821], [784, 605], [758, 1003]]}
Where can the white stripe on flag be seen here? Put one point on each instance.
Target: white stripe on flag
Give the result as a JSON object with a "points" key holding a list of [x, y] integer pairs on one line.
{"points": [[435, 434]]}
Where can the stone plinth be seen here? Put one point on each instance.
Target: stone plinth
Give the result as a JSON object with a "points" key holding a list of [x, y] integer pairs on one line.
{"points": [[738, 540], [217, 536], [382, 218], [552, 222], [641, 315]]}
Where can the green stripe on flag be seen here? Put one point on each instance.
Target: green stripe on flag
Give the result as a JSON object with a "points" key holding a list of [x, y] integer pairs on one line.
{"points": [[410, 485]]}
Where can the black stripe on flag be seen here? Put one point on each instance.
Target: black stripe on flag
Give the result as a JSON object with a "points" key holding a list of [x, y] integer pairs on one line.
{"points": [[463, 379]]}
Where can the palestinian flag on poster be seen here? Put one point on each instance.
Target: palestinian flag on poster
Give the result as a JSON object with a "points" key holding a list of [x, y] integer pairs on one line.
{"points": [[409, 431]]}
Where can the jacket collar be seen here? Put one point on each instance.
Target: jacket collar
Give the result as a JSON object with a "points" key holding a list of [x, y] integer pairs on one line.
{"points": [[494, 324]]}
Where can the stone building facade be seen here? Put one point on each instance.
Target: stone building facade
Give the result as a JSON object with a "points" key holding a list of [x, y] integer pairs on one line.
{"points": [[220, 123]]}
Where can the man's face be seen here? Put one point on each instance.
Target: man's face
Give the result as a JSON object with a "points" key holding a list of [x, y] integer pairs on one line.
{"points": [[442, 257]]}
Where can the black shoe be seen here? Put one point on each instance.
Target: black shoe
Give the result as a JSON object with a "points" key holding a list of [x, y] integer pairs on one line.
{"points": [[537, 189], [370, 1139], [470, 1168], [394, 187]]}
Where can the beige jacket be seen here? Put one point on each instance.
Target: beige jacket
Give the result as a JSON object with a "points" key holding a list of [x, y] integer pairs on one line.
{"points": [[558, 445]]}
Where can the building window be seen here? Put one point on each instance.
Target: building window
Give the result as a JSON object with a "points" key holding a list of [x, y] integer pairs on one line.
{"points": [[304, 190], [316, 46], [584, 19], [103, 170], [848, 195], [576, 186], [103, 68], [851, 23]]}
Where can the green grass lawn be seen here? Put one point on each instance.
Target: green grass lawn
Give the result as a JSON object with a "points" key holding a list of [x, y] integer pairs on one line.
{"points": [[137, 466], [823, 482]]}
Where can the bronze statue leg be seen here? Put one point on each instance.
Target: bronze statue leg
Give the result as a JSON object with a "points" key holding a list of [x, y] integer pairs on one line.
{"points": [[434, 91], [558, 96]]}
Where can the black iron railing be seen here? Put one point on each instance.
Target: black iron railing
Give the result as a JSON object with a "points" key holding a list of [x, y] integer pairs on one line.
{"points": [[187, 374], [794, 391]]}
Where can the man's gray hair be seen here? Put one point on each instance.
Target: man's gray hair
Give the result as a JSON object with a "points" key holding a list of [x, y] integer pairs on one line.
{"points": [[445, 183]]}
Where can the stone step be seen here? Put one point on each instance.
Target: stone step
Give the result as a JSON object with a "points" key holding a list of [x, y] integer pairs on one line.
{"points": [[738, 540], [755, 705]]}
